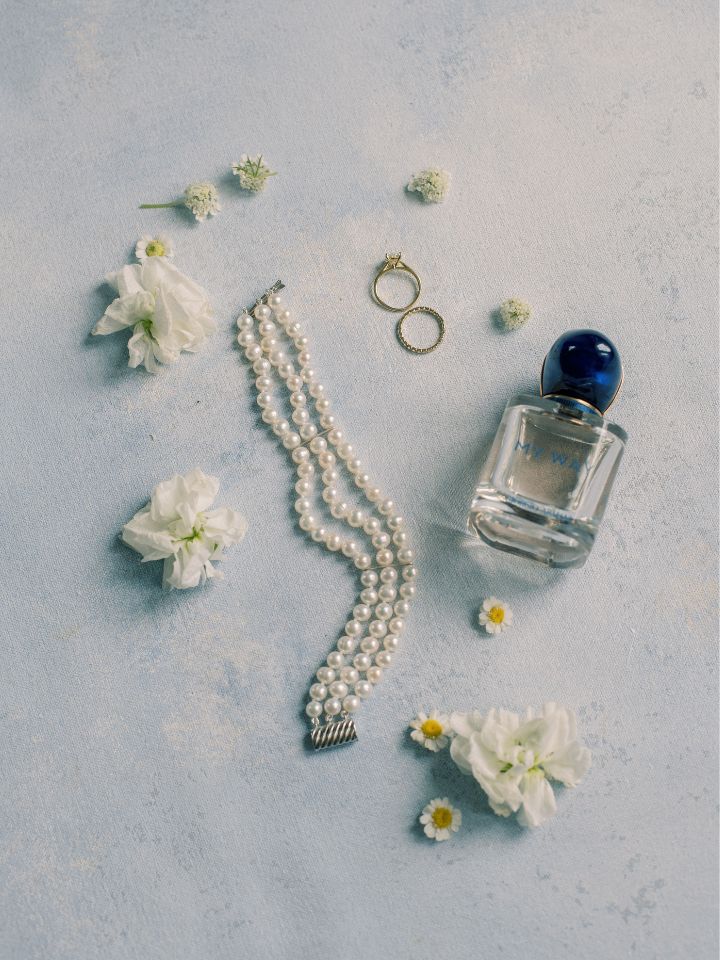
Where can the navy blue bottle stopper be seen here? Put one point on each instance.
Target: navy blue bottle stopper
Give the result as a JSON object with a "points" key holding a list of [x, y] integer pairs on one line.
{"points": [[583, 365]]}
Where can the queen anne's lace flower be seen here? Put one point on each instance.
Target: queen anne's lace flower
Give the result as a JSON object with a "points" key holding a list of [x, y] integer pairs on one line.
{"points": [[159, 246], [495, 615], [167, 311], [514, 313], [431, 730], [432, 184], [202, 200], [178, 527], [514, 758], [440, 819], [252, 173]]}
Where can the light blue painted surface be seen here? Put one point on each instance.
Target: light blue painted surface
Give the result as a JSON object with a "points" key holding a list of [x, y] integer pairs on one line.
{"points": [[157, 801]]}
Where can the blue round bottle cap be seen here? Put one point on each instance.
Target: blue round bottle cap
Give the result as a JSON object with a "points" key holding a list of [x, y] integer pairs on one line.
{"points": [[583, 365]]}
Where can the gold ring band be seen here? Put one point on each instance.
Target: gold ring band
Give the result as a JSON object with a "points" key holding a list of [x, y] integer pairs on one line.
{"points": [[393, 261], [406, 343]]}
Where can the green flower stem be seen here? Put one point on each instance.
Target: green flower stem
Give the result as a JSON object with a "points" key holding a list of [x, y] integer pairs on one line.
{"points": [[158, 206]]}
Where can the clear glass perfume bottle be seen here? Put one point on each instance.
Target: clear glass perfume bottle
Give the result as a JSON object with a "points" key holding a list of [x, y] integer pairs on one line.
{"points": [[545, 484]]}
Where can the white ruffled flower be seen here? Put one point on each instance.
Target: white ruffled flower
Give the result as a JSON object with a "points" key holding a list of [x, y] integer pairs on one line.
{"points": [[431, 730], [178, 527], [167, 311], [252, 173], [513, 759], [202, 200], [495, 615], [440, 819], [159, 246], [514, 313], [432, 184]]}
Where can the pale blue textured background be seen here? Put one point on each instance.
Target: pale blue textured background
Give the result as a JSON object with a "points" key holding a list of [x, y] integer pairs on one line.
{"points": [[156, 798]]}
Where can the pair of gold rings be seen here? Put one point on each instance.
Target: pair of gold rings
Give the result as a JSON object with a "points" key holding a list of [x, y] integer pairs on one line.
{"points": [[393, 261]]}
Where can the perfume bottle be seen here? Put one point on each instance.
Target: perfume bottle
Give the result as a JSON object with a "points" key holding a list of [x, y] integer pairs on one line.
{"points": [[545, 484]]}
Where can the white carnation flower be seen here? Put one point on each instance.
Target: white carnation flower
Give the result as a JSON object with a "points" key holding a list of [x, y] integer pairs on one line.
{"points": [[167, 311], [159, 246], [432, 184], [431, 730], [440, 819], [178, 527], [252, 173], [514, 759]]}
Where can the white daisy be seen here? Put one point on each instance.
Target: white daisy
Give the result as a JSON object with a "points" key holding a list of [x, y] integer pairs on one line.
{"points": [[514, 313], [159, 246], [495, 615], [440, 820], [432, 184], [431, 730], [252, 173]]}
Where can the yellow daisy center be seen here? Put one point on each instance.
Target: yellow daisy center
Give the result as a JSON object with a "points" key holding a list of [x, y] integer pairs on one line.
{"points": [[432, 729], [496, 614], [155, 249], [442, 817]]}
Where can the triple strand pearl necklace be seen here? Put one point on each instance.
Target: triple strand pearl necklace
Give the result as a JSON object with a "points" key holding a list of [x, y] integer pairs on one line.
{"points": [[386, 564]]}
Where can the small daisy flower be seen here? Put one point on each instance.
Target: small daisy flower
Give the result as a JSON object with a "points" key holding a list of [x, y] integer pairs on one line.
{"points": [[495, 615], [159, 246], [432, 184], [440, 820], [200, 198], [431, 730], [514, 313], [252, 173]]}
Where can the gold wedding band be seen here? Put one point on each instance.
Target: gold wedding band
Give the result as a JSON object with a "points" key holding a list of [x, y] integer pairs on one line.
{"points": [[406, 343], [393, 261]]}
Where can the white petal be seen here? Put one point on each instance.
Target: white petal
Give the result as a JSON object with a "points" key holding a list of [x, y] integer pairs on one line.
{"points": [[149, 538], [570, 765], [124, 312], [224, 526], [538, 800]]}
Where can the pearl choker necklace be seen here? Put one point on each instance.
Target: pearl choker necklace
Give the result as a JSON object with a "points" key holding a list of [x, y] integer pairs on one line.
{"points": [[372, 636]]}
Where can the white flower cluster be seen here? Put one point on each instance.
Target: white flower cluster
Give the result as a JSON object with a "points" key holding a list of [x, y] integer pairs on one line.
{"points": [[178, 527], [166, 311], [252, 173], [432, 184], [514, 313], [202, 199]]}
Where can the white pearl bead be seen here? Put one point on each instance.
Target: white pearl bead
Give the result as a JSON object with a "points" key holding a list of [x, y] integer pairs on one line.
{"points": [[387, 592], [303, 487], [333, 707], [335, 660], [245, 321], [339, 509], [297, 398], [318, 445], [378, 629], [330, 494], [333, 541], [371, 526], [308, 522], [383, 659], [300, 455], [384, 558], [405, 555], [307, 431], [301, 415], [350, 675], [305, 470], [373, 494], [254, 351], [389, 575], [356, 518], [317, 390], [362, 612], [363, 689], [391, 642], [351, 704], [409, 573], [401, 608], [353, 628], [262, 366], [269, 344], [245, 338], [294, 382], [319, 534], [408, 591], [395, 522], [363, 561], [346, 645], [264, 399], [400, 538], [345, 450], [283, 315], [384, 611], [386, 507], [275, 301], [325, 675], [285, 369], [281, 428], [396, 625], [291, 440], [369, 645], [354, 465], [303, 504], [294, 329], [262, 312], [267, 328], [300, 342], [335, 436], [263, 383], [339, 689], [304, 358], [318, 691], [369, 578], [314, 709], [362, 480], [327, 421], [381, 540], [361, 662], [350, 548], [369, 595], [330, 476], [270, 415], [327, 459], [374, 675]]}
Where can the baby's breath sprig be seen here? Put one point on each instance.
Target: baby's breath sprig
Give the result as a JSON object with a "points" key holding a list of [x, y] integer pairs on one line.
{"points": [[200, 198], [252, 173]]}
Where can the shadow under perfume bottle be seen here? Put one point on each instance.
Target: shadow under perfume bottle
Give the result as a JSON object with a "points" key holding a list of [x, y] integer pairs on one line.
{"points": [[545, 484]]}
